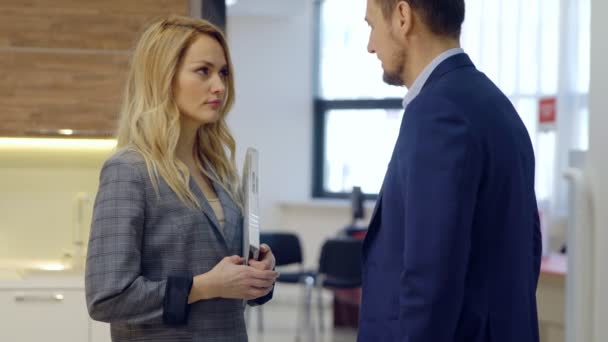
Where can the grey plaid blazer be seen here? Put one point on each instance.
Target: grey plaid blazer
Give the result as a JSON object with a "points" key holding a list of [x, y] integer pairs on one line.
{"points": [[139, 240]]}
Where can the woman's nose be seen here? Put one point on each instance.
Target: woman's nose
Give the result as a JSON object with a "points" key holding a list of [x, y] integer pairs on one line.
{"points": [[218, 86]]}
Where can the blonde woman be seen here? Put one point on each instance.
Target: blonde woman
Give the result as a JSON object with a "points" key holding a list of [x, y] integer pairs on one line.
{"points": [[164, 260]]}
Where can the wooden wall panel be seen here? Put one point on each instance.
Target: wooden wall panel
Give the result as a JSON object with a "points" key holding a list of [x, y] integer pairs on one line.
{"points": [[63, 62], [80, 24], [50, 91]]}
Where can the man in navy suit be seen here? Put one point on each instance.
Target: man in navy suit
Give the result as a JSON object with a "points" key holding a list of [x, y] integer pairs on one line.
{"points": [[453, 249]]}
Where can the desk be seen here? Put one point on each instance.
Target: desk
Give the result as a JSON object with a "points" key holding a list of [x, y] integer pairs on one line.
{"points": [[551, 298]]}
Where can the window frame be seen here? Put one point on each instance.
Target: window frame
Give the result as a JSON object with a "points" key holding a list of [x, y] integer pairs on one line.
{"points": [[321, 108]]}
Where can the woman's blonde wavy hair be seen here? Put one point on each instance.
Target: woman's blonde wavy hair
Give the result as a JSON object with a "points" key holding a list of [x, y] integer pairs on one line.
{"points": [[150, 118]]}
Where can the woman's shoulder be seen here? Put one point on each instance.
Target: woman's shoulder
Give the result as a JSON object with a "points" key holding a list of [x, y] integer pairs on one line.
{"points": [[126, 158], [126, 155]]}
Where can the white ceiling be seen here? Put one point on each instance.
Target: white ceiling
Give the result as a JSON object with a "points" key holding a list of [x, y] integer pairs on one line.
{"points": [[264, 8]]}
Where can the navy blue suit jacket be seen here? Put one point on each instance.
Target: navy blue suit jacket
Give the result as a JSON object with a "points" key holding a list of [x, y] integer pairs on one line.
{"points": [[453, 249]]}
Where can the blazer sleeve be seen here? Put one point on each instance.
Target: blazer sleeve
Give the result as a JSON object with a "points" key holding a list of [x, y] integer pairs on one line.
{"points": [[439, 172], [262, 300], [115, 289], [538, 247]]}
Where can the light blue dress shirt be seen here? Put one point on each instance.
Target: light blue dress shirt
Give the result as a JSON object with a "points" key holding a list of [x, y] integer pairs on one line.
{"points": [[426, 73]]}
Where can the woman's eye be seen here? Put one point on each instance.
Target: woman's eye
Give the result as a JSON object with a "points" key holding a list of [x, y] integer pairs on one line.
{"points": [[224, 72], [203, 71]]}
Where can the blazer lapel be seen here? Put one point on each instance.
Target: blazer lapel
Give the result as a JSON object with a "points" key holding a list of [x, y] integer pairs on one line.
{"points": [[206, 209], [374, 225], [231, 215]]}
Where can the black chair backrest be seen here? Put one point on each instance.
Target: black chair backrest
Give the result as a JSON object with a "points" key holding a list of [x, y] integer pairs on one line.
{"points": [[341, 259], [285, 247]]}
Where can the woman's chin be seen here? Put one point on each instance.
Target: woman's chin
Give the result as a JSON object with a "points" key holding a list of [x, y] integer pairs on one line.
{"points": [[204, 118]]}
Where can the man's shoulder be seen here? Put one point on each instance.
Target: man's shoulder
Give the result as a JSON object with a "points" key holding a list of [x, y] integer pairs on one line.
{"points": [[459, 91], [428, 104]]}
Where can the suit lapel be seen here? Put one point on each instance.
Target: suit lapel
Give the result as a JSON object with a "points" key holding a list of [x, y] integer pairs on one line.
{"points": [[374, 225], [206, 209], [231, 214]]}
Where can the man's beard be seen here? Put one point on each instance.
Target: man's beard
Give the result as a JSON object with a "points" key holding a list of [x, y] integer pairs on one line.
{"points": [[392, 78]]}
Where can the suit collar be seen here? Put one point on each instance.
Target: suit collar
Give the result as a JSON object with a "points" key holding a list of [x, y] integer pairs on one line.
{"points": [[422, 78], [452, 63]]}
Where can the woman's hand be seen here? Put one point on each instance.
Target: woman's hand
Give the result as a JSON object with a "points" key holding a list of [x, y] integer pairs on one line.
{"points": [[267, 260], [231, 279]]}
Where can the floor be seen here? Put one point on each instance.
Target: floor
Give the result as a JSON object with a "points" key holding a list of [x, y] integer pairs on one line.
{"points": [[281, 315]]}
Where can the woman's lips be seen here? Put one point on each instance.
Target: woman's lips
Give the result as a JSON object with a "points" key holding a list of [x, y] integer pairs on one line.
{"points": [[214, 104]]}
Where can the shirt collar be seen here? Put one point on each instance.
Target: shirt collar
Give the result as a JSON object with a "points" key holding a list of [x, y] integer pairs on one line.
{"points": [[426, 73]]}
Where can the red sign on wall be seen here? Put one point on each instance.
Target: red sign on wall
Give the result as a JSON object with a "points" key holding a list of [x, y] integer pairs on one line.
{"points": [[547, 111]]}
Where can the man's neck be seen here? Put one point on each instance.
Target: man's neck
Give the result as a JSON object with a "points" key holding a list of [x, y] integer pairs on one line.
{"points": [[423, 54]]}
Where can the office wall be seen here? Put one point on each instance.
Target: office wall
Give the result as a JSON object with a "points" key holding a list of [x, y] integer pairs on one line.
{"points": [[273, 58], [273, 111], [40, 183]]}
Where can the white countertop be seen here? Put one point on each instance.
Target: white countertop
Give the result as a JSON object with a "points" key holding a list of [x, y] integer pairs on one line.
{"points": [[29, 274], [21, 264], [60, 282]]}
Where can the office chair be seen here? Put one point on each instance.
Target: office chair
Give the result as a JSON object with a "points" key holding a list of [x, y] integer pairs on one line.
{"points": [[287, 250], [339, 268]]}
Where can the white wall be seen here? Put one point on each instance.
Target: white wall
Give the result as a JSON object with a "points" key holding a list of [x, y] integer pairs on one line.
{"points": [[39, 187], [598, 161], [273, 55], [273, 64]]}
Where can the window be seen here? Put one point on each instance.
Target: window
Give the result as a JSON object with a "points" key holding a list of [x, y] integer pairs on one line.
{"points": [[529, 48], [357, 116]]}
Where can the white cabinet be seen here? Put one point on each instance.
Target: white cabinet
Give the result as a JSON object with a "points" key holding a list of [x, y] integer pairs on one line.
{"points": [[53, 309], [34, 315], [100, 332]]}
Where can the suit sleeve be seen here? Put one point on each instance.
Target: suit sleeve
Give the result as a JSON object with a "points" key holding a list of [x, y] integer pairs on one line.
{"points": [[439, 172], [115, 289]]}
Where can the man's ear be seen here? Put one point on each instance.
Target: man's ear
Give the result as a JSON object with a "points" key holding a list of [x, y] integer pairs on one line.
{"points": [[403, 18]]}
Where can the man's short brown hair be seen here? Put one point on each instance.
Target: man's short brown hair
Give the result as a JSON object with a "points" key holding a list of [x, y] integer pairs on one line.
{"points": [[443, 17]]}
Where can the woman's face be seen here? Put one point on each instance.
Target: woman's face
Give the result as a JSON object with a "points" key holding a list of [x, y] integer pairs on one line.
{"points": [[200, 83]]}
